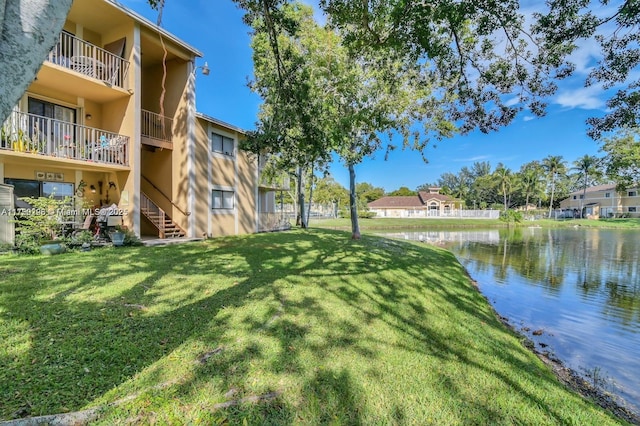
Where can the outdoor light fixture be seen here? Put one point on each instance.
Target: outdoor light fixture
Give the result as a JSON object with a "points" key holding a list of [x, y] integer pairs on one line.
{"points": [[88, 116], [93, 189], [205, 69]]}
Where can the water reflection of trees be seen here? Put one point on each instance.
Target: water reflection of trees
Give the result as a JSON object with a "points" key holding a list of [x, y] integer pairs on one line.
{"points": [[598, 264]]}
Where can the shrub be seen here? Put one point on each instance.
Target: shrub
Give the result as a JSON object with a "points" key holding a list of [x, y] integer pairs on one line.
{"points": [[130, 238], [39, 223], [511, 216]]}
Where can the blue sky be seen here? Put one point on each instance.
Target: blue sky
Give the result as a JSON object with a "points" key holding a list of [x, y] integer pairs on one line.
{"points": [[216, 29]]}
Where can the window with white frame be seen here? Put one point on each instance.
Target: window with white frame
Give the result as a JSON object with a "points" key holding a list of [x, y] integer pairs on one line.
{"points": [[221, 144], [607, 195], [631, 193], [632, 209], [222, 199]]}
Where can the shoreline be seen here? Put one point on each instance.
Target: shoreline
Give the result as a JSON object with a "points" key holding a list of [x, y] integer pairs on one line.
{"points": [[567, 376]]}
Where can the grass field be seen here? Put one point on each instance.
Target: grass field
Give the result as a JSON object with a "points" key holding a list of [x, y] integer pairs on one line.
{"points": [[296, 327]]}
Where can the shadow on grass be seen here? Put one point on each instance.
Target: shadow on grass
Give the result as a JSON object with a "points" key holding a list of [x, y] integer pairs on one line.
{"points": [[293, 304]]}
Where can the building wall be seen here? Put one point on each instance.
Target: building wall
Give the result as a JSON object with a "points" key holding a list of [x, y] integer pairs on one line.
{"points": [[603, 206], [216, 171]]}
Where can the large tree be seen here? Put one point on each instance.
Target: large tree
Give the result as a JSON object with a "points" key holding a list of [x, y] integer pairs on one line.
{"points": [[622, 160], [530, 179], [28, 32], [554, 165], [613, 24], [588, 169], [504, 179]]}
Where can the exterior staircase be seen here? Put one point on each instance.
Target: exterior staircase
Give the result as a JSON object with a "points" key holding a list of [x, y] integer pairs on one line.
{"points": [[166, 226]]}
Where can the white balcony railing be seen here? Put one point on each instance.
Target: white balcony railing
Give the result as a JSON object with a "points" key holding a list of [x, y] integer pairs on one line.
{"points": [[85, 58], [35, 134], [156, 126]]}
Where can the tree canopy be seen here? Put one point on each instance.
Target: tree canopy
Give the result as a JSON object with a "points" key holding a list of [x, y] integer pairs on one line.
{"points": [[622, 160]]}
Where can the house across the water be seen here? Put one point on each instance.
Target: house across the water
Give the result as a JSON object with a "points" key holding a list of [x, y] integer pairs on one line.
{"points": [[429, 203]]}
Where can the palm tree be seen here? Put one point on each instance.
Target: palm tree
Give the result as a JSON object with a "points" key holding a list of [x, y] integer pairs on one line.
{"points": [[530, 180], [553, 165], [504, 177], [587, 166]]}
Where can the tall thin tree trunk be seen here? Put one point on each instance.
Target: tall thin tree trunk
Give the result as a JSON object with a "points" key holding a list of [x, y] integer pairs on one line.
{"points": [[584, 194], [302, 219], [504, 197], [353, 206], [553, 188], [310, 194]]}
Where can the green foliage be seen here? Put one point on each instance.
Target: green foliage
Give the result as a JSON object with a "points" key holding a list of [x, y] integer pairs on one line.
{"points": [[366, 214], [402, 191], [622, 159], [130, 238], [367, 193], [81, 237], [39, 223], [511, 216], [328, 191]]}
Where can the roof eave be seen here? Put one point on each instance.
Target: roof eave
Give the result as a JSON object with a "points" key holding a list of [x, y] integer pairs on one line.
{"points": [[141, 19]]}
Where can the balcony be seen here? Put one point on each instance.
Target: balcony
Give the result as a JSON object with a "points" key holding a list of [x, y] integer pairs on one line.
{"points": [[47, 137], [85, 58], [157, 130]]}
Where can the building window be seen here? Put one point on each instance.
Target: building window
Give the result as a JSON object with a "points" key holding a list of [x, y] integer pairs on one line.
{"points": [[581, 196], [221, 144], [222, 199], [33, 188], [631, 193], [632, 209], [607, 195], [575, 197]]}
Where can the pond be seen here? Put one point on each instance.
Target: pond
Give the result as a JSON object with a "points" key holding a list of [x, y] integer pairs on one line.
{"points": [[574, 292]]}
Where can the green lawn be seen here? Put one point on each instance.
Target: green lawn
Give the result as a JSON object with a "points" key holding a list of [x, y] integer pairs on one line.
{"points": [[327, 330]]}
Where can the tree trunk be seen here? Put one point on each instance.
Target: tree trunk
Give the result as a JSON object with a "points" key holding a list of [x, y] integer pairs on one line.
{"points": [[28, 32], [310, 195], [353, 206], [504, 197], [553, 188], [302, 219], [584, 194]]}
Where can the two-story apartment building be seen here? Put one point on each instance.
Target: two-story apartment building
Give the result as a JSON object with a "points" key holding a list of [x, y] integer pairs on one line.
{"points": [[92, 126], [603, 201]]}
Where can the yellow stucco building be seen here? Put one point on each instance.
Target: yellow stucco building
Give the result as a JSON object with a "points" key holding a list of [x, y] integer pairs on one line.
{"points": [[90, 126]]}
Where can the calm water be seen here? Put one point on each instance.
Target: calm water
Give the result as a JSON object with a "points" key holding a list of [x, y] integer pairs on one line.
{"points": [[580, 286]]}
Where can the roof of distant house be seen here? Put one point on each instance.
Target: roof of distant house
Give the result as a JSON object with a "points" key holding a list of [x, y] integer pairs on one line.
{"points": [[220, 123], [431, 196], [410, 201], [596, 188], [398, 202]]}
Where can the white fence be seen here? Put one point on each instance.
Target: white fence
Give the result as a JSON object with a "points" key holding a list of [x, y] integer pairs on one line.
{"points": [[437, 214]]}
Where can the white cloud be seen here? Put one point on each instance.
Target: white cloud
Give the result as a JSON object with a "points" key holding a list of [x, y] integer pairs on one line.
{"points": [[591, 97], [528, 118], [585, 56], [476, 158]]}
